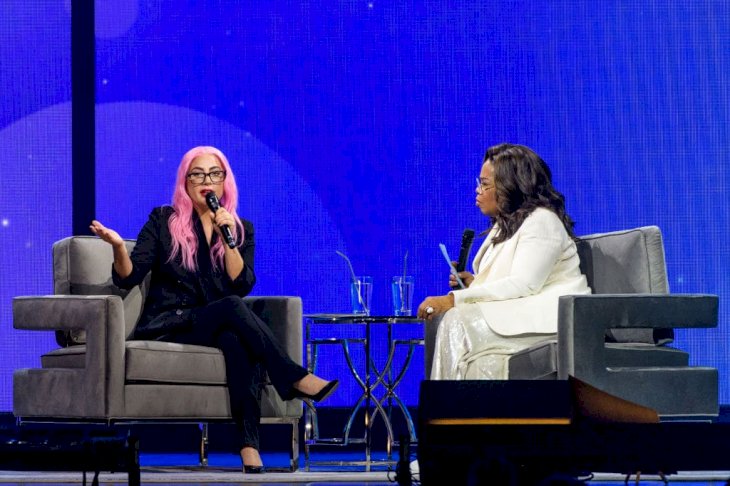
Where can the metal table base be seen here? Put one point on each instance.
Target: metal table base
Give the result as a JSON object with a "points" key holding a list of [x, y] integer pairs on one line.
{"points": [[371, 406]]}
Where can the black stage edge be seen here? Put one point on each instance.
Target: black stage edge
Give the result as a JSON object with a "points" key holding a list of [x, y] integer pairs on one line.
{"points": [[527, 433], [156, 437], [537, 454], [63, 448], [83, 116]]}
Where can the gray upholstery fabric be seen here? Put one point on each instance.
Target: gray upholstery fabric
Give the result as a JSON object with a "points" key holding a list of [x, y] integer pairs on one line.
{"points": [[182, 401], [95, 391], [679, 391], [622, 355], [624, 262], [82, 266], [538, 362], [159, 362], [112, 378], [429, 342], [70, 357], [627, 262]]}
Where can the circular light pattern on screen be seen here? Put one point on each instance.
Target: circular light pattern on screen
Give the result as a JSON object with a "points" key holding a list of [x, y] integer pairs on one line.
{"points": [[115, 19]]}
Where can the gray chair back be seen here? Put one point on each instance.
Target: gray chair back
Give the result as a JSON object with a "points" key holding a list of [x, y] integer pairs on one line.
{"points": [[627, 262], [82, 265], [624, 262]]}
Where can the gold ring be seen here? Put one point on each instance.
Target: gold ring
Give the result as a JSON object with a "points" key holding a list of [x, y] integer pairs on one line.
{"points": [[429, 310]]}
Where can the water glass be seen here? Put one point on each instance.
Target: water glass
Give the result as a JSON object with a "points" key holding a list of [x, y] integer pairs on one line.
{"points": [[361, 291], [402, 287]]}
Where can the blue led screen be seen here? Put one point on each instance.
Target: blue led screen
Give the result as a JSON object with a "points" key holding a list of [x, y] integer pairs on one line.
{"points": [[35, 195], [359, 126]]}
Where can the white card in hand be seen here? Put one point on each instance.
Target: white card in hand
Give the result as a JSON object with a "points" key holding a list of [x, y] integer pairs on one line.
{"points": [[451, 267]]}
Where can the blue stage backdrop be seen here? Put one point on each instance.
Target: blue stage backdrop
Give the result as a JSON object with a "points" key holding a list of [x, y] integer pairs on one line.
{"points": [[360, 126]]}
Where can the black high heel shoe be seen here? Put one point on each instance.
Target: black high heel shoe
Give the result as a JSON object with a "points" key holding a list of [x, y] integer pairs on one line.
{"points": [[321, 395], [253, 469]]}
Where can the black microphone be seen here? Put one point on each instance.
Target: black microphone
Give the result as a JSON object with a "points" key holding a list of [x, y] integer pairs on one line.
{"points": [[466, 240], [214, 205]]}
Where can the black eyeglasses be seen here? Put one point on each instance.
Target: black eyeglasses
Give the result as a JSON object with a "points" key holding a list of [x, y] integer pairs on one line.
{"points": [[216, 177]]}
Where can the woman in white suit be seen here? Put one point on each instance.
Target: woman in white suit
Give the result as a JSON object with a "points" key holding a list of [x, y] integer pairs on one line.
{"points": [[526, 262]]}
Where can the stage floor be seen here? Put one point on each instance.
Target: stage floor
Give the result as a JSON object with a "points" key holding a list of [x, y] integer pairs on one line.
{"points": [[180, 469]]}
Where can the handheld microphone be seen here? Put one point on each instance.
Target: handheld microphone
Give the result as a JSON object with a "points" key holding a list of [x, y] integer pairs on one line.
{"points": [[212, 200], [466, 240]]}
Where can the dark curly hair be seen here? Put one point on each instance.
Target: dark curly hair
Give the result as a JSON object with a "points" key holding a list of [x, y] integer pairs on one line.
{"points": [[523, 182]]}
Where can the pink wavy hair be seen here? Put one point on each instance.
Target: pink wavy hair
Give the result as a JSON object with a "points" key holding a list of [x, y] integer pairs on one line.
{"points": [[184, 241]]}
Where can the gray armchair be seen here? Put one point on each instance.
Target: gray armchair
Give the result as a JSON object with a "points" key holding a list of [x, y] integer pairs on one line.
{"points": [[617, 338], [99, 375]]}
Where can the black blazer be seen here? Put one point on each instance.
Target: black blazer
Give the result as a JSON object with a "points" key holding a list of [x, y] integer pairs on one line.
{"points": [[175, 291]]}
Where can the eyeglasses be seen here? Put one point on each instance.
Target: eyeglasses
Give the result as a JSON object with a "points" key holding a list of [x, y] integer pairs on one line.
{"points": [[482, 186], [198, 178]]}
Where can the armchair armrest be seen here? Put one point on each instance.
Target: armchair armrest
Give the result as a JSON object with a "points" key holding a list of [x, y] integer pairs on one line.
{"points": [[583, 320], [102, 317], [676, 391], [63, 312], [283, 315], [643, 310]]}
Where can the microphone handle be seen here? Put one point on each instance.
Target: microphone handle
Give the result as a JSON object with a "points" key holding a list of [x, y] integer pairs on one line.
{"points": [[213, 204], [228, 236], [466, 241]]}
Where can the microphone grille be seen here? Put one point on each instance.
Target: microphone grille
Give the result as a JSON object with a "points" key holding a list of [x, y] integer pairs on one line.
{"points": [[212, 201]]}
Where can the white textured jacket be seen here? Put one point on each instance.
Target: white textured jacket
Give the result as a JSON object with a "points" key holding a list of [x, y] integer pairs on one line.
{"points": [[517, 282]]}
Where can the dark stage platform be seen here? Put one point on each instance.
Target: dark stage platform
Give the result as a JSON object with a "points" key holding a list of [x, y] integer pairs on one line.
{"points": [[512, 432], [83, 449], [528, 454]]}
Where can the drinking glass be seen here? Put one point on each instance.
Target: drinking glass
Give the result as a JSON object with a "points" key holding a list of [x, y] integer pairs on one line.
{"points": [[402, 287], [361, 291]]}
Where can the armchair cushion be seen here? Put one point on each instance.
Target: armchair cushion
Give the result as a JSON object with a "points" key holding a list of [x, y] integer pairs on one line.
{"points": [[69, 357], [638, 354], [538, 362], [161, 362], [154, 362]]}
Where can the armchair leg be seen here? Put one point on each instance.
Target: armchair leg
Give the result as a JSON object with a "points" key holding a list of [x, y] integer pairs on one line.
{"points": [[203, 453], [132, 451], [294, 452]]}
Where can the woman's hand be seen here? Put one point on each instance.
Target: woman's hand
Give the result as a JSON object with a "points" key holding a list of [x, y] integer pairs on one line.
{"points": [[122, 262], [437, 305], [106, 234], [220, 218], [232, 258], [465, 277]]}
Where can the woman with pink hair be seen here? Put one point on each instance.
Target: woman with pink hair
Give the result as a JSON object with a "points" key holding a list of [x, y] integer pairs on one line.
{"points": [[200, 254]]}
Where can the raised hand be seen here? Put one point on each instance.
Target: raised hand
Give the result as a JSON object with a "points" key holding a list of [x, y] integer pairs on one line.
{"points": [[106, 234], [122, 263]]}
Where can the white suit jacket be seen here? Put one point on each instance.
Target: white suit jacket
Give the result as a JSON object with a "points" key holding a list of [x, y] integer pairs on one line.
{"points": [[521, 279]]}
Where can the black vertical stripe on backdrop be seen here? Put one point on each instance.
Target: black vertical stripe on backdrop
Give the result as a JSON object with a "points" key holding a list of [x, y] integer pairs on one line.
{"points": [[83, 106]]}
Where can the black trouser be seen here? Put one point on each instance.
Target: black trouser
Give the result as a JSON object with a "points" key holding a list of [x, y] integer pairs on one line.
{"points": [[250, 349]]}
